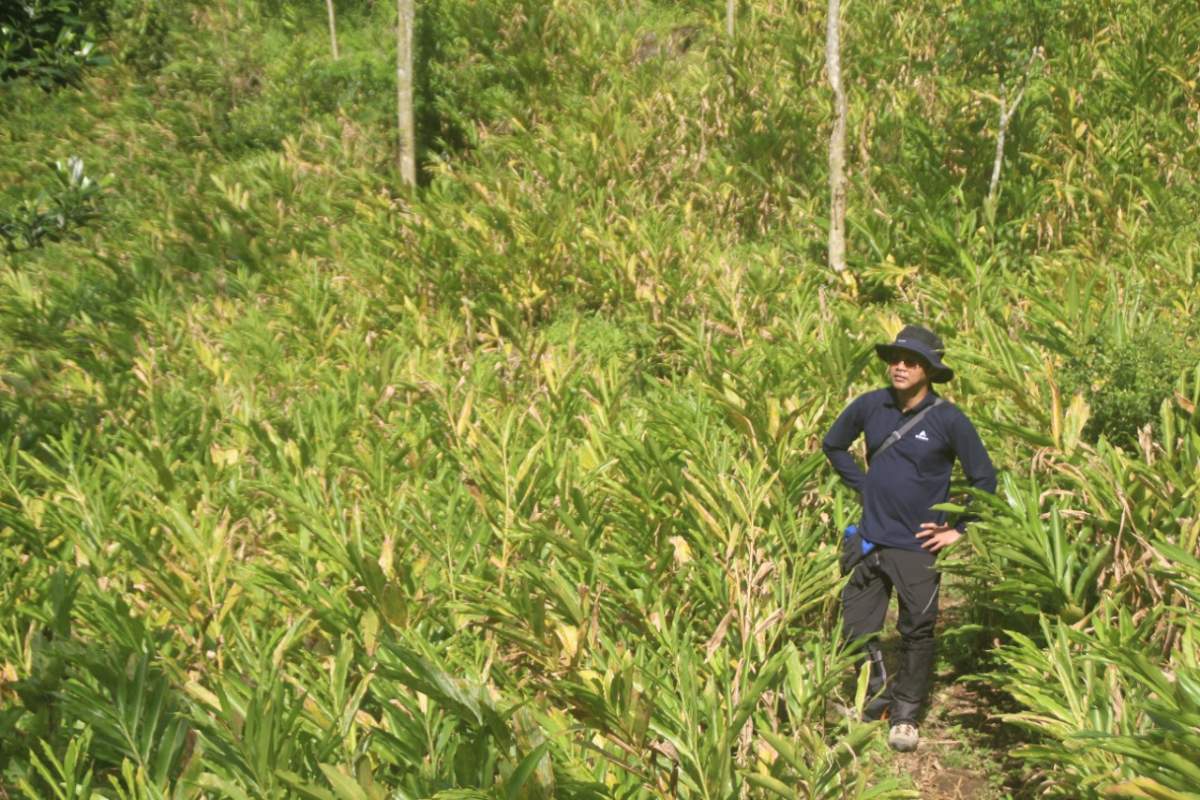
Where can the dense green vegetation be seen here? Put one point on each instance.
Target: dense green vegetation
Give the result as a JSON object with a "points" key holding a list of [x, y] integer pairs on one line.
{"points": [[509, 486]]}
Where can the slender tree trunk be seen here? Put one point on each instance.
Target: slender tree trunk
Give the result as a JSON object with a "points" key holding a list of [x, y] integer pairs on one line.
{"points": [[837, 141], [1006, 114], [406, 155], [1002, 126], [730, 6], [332, 28]]}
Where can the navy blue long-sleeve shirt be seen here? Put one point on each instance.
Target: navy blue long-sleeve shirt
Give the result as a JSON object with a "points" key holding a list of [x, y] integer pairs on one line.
{"points": [[902, 484]]}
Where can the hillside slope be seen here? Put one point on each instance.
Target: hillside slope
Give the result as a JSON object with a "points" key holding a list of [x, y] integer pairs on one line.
{"points": [[509, 485]]}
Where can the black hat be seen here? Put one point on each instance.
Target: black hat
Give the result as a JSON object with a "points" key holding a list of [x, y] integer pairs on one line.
{"points": [[923, 342]]}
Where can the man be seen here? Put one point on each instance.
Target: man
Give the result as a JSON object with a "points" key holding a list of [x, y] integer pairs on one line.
{"points": [[900, 535]]}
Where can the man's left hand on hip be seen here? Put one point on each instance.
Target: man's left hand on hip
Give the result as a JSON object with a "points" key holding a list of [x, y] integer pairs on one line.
{"points": [[935, 536]]}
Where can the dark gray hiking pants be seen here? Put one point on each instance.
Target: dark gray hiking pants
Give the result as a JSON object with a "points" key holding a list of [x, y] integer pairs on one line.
{"points": [[864, 604]]}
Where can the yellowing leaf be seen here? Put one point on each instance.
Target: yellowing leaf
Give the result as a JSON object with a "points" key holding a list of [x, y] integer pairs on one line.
{"points": [[386, 556], [891, 325], [1074, 421], [198, 692], [568, 637], [370, 631], [224, 456], [683, 551]]}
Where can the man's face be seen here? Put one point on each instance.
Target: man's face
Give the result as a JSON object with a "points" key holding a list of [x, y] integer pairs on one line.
{"points": [[907, 370]]}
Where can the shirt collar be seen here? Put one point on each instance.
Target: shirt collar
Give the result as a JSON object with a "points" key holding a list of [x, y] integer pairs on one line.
{"points": [[930, 396]]}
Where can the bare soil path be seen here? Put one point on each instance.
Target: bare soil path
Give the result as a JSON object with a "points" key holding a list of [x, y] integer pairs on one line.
{"points": [[965, 750]]}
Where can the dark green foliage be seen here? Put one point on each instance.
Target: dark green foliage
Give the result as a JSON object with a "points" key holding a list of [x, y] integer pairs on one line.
{"points": [[274, 100], [475, 67], [139, 31], [1126, 378], [996, 37], [600, 339], [53, 213], [49, 41]]}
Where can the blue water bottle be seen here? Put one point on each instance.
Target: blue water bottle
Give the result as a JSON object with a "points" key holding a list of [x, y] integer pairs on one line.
{"points": [[866, 545]]}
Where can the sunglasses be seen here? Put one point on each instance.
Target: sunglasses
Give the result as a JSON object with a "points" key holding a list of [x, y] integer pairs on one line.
{"points": [[907, 359]]}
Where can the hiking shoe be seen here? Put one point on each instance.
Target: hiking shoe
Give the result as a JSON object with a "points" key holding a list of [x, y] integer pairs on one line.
{"points": [[903, 737]]}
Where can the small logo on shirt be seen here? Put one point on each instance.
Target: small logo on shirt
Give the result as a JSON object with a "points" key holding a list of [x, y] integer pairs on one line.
{"points": [[922, 436]]}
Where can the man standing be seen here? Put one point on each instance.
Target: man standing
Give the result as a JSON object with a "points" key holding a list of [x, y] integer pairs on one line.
{"points": [[913, 437]]}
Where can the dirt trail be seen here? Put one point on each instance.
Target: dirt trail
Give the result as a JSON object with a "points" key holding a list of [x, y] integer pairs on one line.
{"points": [[964, 750]]}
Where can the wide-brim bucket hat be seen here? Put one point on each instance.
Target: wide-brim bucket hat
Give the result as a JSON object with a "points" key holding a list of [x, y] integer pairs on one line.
{"points": [[926, 344]]}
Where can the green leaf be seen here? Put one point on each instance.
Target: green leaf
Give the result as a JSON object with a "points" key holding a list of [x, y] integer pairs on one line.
{"points": [[345, 787], [515, 785]]}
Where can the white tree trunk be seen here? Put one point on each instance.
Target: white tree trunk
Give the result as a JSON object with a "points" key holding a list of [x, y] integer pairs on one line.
{"points": [[1006, 114], [332, 28], [404, 92], [837, 141], [994, 186]]}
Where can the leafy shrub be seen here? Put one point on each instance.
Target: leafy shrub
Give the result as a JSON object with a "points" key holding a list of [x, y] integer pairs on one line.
{"points": [[52, 214], [301, 86], [49, 41], [139, 30], [1125, 379], [602, 339], [475, 62]]}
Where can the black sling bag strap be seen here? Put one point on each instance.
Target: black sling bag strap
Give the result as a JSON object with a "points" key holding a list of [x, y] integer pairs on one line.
{"points": [[898, 434]]}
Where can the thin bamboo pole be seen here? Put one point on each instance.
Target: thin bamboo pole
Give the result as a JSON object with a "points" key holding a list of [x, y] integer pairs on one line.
{"points": [[837, 141], [406, 150], [332, 28]]}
